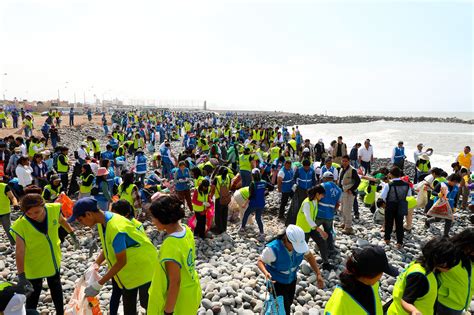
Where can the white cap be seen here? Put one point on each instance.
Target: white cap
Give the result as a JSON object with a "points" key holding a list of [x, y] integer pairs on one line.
{"points": [[295, 235], [16, 306], [84, 144], [306, 150], [328, 174], [255, 171]]}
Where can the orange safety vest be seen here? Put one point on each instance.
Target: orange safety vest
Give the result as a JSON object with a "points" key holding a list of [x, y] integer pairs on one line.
{"points": [[465, 159]]}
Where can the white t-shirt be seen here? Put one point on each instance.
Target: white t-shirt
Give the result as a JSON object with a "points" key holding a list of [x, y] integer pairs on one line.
{"points": [[268, 256], [365, 154]]}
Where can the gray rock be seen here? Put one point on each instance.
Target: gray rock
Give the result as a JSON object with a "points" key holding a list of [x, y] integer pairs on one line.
{"points": [[206, 303]]}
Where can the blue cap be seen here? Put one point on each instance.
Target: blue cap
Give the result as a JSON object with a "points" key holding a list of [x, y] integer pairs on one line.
{"points": [[82, 206]]}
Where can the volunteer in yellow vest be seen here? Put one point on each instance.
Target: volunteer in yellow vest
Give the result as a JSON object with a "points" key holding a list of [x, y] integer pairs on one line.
{"points": [[51, 191], [38, 252], [245, 166], [129, 253], [175, 288], [466, 159], [86, 181], [127, 190], [6, 200], [3, 118], [201, 201], [358, 293], [456, 286], [221, 182], [416, 288]]}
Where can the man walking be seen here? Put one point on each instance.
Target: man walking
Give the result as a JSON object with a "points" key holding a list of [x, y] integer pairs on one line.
{"points": [[366, 156], [71, 117], [339, 150], [349, 181], [285, 183]]}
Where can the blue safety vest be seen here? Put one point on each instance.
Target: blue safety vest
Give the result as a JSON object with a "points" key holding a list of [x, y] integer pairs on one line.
{"points": [[164, 155], [305, 179], [452, 192], [399, 154], [258, 200], [111, 179], [324, 169], [182, 175], [107, 155], [287, 181], [141, 163], [327, 205], [286, 265]]}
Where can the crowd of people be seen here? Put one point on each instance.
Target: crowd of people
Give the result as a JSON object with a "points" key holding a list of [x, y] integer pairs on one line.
{"points": [[165, 166]]}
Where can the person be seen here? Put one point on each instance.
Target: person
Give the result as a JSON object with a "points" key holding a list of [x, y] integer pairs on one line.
{"points": [[422, 167], [182, 180], [327, 207], [466, 160], [28, 125], [257, 190], [220, 186], [366, 156], [339, 149], [281, 259], [416, 288], [416, 156], [245, 166], [395, 196], [39, 170], [23, 172], [358, 292], [448, 190], [285, 182], [349, 182], [127, 190], [455, 289], [353, 155], [83, 152], [62, 167], [7, 199], [54, 135], [329, 167], [13, 162], [71, 117], [175, 288], [201, 202], [87, 180], [398, 155], [38, 252], [104, 193], [124, 248], [52, 190], [319, 151], [140, 167], [304, 179], [13, 299], [306, 221]]}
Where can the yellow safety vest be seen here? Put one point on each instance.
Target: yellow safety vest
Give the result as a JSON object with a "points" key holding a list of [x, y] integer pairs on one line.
{"points": [[86, 189], [244, 162], [95, 146], [226, 183], [342, 303], [465, 159], [137, 143], [31, 150], [141, 258], [425, 304], [203, 198], [2, 115], [54, 193], [127, 194], [274, 153], [42, 251], [301, 219], [456, 287], [63, 168], [182, 251], [4, 200]]}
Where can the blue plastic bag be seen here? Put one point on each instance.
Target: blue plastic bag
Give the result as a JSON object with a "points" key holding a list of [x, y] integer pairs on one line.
{"points": [[273, 305]]}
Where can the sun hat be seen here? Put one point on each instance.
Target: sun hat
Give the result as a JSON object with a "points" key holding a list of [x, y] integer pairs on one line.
{"points": [[425, 157], [101, 171], [296, 236]]}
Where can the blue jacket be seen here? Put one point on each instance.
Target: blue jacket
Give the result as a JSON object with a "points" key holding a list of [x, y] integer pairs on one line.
{"points": [[141, 163], [285, 267], [327, 205], [287, 181], [305, 180]]}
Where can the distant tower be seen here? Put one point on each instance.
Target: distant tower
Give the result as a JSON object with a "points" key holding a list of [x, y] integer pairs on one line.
{"points": [[205, 105]]}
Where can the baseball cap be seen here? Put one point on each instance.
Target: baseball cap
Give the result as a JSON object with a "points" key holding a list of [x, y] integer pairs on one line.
{"points": [[372, 259], [328, 174], [255, 171], [81, 207], [16, 306], [295, 235]]}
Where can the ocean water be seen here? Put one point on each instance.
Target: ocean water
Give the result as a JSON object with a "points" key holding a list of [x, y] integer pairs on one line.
{"points": [[460, 115], [446, 139]]}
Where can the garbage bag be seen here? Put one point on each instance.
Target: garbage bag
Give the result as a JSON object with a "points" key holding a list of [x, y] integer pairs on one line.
{"points": [[441, 209], [79, 304]]}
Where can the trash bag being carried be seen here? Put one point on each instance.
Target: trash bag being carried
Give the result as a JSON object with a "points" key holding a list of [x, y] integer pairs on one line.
{"points": [[209, 217], [274, 305], [66, 204], [441, 209], [79, 304]]}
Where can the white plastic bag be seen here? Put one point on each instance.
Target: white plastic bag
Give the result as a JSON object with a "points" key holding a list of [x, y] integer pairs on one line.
{"points": [[79, 304]]}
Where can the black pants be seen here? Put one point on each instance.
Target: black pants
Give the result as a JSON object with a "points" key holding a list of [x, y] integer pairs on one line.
{"points": [[220, 217], [392, 213], [322, 245], [64, 181], [288, 293], [200, 229], [55, 288], [285, 196], [366, 166], [129, 298], [298, 198], [447, 224], [115, 298]]}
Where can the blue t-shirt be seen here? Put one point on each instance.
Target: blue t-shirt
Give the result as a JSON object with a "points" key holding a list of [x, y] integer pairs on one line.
{"points": [[121, 241]]}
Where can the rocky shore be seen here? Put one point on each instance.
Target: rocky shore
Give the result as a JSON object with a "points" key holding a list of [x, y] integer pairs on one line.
{"points": [[230, 280]]}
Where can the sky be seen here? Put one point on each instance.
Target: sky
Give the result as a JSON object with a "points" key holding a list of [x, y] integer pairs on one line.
{"points": [[295, 56]]}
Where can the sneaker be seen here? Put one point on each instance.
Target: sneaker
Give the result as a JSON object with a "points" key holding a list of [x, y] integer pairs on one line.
{"points": [[427, 224], [348, 231], [261, 237], [327, 266], [356, 216]]}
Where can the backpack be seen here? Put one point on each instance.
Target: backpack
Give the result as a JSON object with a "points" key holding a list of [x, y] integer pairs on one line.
{"points": [[225, 195]]}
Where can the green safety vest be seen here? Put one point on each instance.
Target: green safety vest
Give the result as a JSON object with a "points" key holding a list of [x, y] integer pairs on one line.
{"points": [[274, 153], [426, 303], [63, 168], [455, 287], [424, 167], [292, 143], [95, 146], [86, 189], [54, 193], [245, 192], [2, 115], [342, 303], [244, 162], [4, 200], [226, 183], [127, 194], [42, 251], [137, 143], [31, 150], [438, 180], [202, 198], [141, 258], [120, 151], [204, 147], [369, 198], [4, 285], [138, 225], [301, 219], [411, 202], [182, 251]]}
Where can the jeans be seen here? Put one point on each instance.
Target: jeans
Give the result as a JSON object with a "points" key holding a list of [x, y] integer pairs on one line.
{"points": [[318, 239], [285, 196], [220, 216], [64, 180], [102, 202], [15, 123], [71, 121], [258, 217], [366, 166], [129, 298], [392, 213], [3, 122], [288, 293], [6, 223], [54, 142], [444, 310], [166, 170], [54, 284], [328, 228], [246, 177], [354, 164]]}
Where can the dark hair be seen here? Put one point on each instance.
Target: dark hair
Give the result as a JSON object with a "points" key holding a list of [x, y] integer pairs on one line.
{"points": [[306, 163], [454, 178], [346, 157], [196, 172], [103, 163], [123, 208], [436, 171], [167, 209], [87, 168], [438, 252], [127, 178], [31, 200], [318, 189], [464, 241], [395, 171], [380, 203], [256, 176], [22, 159]]}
